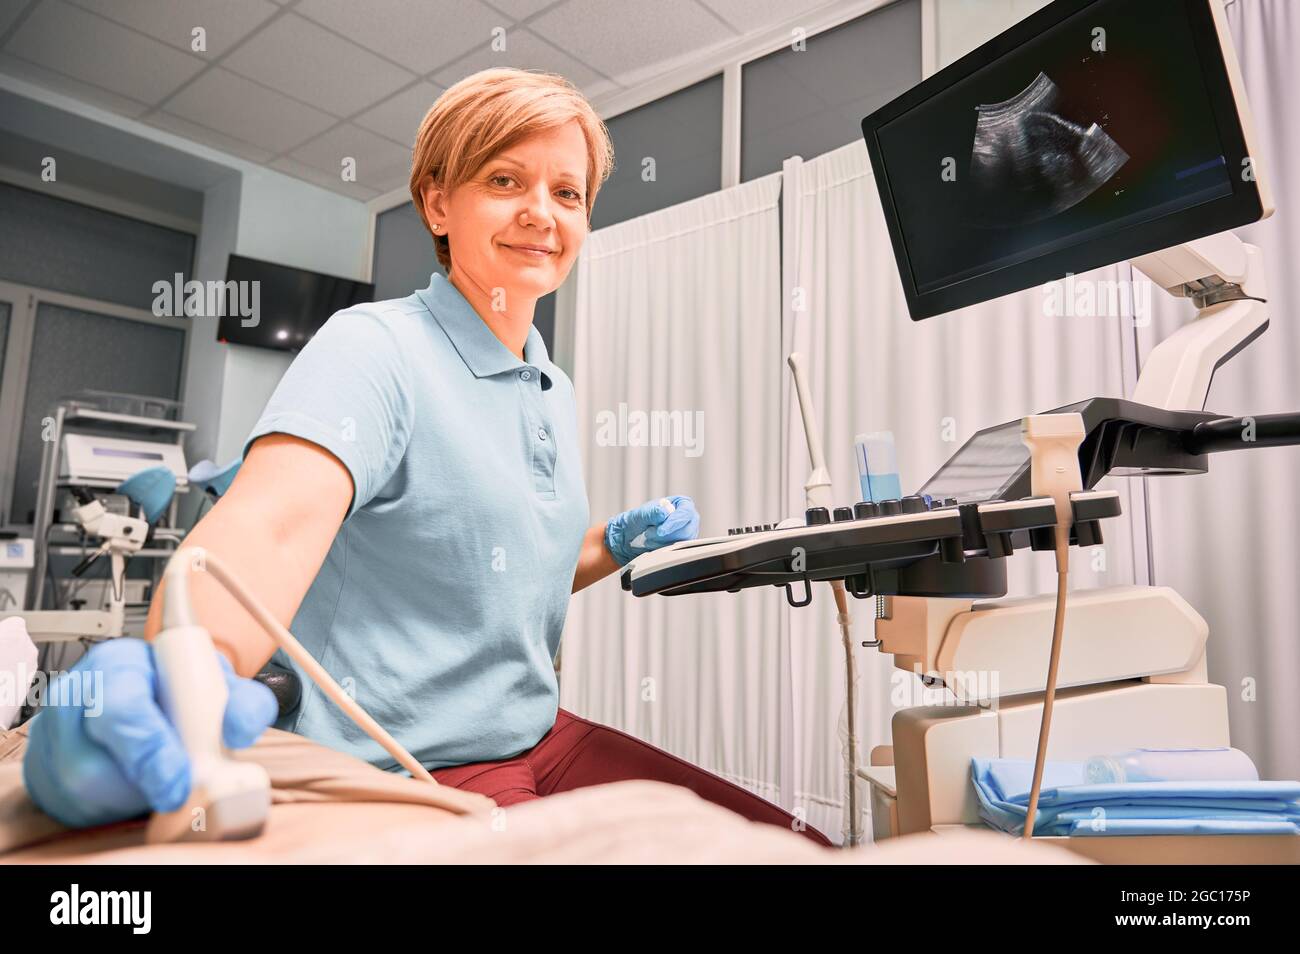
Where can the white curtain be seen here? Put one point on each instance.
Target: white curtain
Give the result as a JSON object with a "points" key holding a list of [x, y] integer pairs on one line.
{"points": [[933, 384], [677, 314], [682, 311], [695, 308], [1226, 540]]}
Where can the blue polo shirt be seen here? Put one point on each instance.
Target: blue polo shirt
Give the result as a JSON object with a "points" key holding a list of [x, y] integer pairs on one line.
{"points": [[442, 598]]}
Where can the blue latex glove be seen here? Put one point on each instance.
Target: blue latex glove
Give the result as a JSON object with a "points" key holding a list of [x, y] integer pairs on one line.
{"points": [[116, 755], [660, 528]]}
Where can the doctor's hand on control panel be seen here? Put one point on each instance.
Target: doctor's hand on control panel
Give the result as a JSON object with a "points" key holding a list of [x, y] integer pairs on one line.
{"points": [[651, 526], [654, 524]]}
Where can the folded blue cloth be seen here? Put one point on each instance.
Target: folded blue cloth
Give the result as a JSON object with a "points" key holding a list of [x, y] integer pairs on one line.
{"points": [[1066, 806]]}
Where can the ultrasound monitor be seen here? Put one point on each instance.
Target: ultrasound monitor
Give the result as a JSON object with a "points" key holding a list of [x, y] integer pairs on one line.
{"points": [[1092, 132]]}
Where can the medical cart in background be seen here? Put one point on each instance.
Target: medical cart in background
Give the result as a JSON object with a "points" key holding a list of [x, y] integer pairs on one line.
{"points": [[96, 441]]}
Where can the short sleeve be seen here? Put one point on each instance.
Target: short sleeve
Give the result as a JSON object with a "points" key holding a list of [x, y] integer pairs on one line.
{"points": [[349, 392]]}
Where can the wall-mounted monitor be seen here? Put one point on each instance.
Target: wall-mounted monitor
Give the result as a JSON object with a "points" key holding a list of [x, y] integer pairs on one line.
{"points": [[286, 305]]}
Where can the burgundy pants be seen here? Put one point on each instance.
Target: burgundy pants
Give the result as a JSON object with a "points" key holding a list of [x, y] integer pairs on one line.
{"points": [[576, 753]]}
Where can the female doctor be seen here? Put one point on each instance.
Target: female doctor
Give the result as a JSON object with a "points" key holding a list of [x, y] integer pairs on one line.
{"points": [[411, 504]]}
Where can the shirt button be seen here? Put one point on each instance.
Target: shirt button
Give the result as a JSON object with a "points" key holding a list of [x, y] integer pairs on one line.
{"points": [[526, 375], [541, 433]]}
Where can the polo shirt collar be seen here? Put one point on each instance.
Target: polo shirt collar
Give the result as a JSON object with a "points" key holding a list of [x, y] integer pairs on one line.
{"points": [[481, 350]]}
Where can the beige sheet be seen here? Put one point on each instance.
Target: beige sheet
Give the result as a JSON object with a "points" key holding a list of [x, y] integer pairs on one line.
{"points": [[331, 808]]}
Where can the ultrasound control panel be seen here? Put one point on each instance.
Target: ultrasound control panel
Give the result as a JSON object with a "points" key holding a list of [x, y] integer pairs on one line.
{"points": [[914, 546]]}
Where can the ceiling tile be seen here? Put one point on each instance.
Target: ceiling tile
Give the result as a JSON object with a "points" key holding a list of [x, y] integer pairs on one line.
{"points": [[173, 20], [316, 66], [519, 9], [91, 49], [750, 16], [380, 164], [240, 108], [208, 137], [300, 170], [9, 10], [398, 117], [419, 34], [524, 50], [95, 95], [594, 91], [637, 37]]}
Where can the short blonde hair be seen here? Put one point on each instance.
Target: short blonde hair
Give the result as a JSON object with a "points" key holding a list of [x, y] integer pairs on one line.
{"points": [[490, 111]]}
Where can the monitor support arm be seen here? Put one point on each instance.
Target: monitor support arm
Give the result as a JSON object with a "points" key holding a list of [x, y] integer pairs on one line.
{"points": [[1224, 277]]}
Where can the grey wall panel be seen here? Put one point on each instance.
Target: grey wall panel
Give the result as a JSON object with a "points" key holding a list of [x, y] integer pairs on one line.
{"points": [[682, 133], [810, 101], [404, 257], [64, 246], [73, 350]]}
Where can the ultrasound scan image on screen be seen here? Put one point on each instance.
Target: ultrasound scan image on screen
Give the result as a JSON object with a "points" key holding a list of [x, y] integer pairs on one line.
{"points": [[1101, 123], [1030, 161]]}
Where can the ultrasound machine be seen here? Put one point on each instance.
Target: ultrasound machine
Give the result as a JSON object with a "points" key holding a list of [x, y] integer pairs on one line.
{"points": [[1091, 133]]}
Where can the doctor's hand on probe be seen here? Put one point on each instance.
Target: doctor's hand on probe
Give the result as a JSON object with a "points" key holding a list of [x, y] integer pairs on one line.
{"points": [[112, 754], [654, 524]]}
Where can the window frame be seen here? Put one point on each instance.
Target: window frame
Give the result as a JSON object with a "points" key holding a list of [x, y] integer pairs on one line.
{"points": [[25, 301]]}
